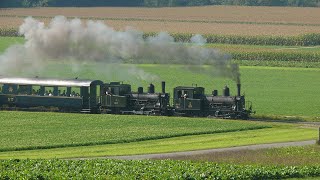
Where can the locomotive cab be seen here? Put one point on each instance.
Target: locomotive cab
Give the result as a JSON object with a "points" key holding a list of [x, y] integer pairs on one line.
{"points": [[188, 100], [115, 96]]}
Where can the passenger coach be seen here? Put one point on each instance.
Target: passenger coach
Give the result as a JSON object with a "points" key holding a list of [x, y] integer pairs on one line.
{"points": [[70, 95]]}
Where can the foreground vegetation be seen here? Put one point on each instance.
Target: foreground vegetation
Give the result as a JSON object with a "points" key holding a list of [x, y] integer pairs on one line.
{"points": [[165, 169]]}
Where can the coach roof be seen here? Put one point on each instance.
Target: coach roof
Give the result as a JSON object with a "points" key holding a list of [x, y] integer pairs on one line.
{"points": [[49, 82]]}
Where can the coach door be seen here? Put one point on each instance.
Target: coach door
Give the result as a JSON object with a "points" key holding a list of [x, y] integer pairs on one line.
{"points": [[95, 96]]}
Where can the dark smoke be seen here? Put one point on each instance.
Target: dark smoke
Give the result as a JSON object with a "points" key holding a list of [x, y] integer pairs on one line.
{"points": [[75, 41]]}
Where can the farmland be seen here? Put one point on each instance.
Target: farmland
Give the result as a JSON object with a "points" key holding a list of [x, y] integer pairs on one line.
{"points": [[277, 133], [202, 20], [38, 131], [211, 13], [277, 49], [117, 169]]}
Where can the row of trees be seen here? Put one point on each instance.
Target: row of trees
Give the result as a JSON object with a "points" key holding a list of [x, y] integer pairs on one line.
{"points": [[156, 3]]}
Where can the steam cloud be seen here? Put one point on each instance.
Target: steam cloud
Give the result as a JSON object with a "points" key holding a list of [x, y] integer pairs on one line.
{"points": [[79, 42]]}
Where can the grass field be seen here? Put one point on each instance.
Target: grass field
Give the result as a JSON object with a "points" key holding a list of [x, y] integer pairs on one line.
{"points": [[124, 135], [203, 20], [305, 155], [20, 130]]}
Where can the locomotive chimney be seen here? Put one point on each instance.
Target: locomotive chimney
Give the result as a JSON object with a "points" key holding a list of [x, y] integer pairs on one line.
{"points": [[215, 92], [140, 90], [163, 86], [239, 89], [151, 89], [226, 91]]}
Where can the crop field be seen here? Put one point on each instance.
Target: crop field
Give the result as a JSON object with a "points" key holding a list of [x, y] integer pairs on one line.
{"points": [[210, 13], [203, 20], [117, 169], [190, 27]]}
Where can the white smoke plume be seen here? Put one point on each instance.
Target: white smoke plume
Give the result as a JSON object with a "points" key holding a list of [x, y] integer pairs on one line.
{"points": [[65, 40], [198, 39]]}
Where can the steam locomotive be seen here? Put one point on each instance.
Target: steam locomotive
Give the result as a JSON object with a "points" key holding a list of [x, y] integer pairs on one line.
{"points": [[95, 96]]}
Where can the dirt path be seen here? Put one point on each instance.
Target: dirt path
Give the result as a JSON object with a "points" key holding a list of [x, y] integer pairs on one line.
{"points": [[205, 152]]}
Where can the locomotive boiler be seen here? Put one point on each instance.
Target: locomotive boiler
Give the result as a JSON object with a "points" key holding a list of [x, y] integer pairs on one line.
{"points": [[118, 98]]}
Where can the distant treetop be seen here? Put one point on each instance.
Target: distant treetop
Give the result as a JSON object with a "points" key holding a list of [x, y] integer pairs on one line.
{"points": [[154, 3]]}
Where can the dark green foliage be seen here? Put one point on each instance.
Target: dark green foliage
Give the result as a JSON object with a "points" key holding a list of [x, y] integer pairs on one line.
{"points": [[9, 32], [146, 169], [312, 39], [277, 56]]}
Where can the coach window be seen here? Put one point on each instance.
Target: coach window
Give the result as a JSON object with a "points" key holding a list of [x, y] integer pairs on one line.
{"points": [[123, 90], [179, 94], [10, 88], [48, 91], [25, 89], [62, 91], [1, 88], [75, 92]]}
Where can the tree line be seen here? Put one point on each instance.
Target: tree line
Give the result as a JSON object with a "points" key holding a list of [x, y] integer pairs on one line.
{"points": [[153, 3]]}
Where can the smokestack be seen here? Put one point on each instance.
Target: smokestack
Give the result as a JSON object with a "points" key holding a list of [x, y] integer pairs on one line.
{"points": [[239, 89], [140, 90], [163, 87], [151, 89], [226, 91], [215, 92]]}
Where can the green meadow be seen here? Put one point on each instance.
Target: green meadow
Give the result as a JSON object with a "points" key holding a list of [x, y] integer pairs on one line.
{"points": [[62, 135], [23, 131]]}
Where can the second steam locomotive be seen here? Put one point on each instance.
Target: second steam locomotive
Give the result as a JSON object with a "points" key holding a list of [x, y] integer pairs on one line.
{"points": [[118, 98], [187, 101]]}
